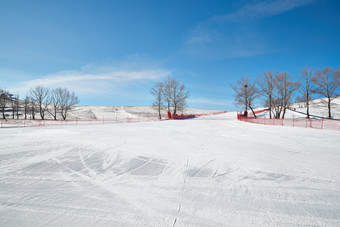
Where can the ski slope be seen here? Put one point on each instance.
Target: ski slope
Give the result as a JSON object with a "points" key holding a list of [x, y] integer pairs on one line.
{"points": [[208, 171]]}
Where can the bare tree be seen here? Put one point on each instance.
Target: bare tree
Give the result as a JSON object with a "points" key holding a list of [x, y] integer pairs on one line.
{"points": [[40, 95], [327, 82], [157, 92], [167, 92], [13, 101], [32, 108], [306, 86], [26, 106], [179, 96], [16, 105], [4, 98], [245, 93], [285, 86], [55, 102], [182, 105], [174, 95], [67, 100], [266, 85]]}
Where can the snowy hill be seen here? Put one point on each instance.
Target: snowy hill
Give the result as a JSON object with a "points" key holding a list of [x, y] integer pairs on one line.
{"points": [[318, 108], [106, 112], [111, 112]]}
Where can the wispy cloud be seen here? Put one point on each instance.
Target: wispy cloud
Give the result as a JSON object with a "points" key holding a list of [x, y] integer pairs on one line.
{"points": [[96, 78], [77, 76], [234, 35], [262, 9], [210, 41]]}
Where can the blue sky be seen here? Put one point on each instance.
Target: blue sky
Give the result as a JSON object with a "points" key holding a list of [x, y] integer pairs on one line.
{"points": [[112, 52]]}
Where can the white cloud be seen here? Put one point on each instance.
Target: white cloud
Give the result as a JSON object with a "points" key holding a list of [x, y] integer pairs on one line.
{"points": [[94, 78]]}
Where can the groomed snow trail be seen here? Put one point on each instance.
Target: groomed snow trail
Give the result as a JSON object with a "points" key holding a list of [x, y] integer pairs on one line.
{"points": [[209, 171]]}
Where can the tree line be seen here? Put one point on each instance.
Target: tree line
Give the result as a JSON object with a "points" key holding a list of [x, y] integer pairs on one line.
{"points": [[278, 89], [169, 94], [39, 101]]}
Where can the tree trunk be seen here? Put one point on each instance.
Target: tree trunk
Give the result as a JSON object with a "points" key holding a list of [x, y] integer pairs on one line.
{"points": [[13, 111], [3, 114], [42, 115], [64, 113], [252, 111], [284, 112], [175, 110], [329, 107], [307, 102], [270, 107], [55, 113], [159, 112]]}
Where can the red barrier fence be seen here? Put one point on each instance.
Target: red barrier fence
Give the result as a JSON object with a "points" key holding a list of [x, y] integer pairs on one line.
{"points": [[188, 116], [182, 117], [38, 123], [294, 122]]}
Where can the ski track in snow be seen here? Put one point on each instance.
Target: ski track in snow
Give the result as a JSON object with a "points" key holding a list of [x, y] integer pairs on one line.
{"points": [[208, 171]]}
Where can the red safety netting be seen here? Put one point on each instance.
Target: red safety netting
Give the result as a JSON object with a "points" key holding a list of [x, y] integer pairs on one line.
{"points": [[38, 123], [188, 116], [293, 122]]}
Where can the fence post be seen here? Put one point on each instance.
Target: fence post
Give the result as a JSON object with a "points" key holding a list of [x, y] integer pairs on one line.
{"points": [[306, 122], [103, 119], [1, 123], [322, 123], [282, 121], [24, 123], [293, 121]]}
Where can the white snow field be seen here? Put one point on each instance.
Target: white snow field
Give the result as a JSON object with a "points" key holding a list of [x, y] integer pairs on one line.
{"points": [[208, 171]]}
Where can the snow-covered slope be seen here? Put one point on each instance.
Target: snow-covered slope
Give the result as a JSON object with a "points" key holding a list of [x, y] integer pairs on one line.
{"points": [[113, 112], [209, 171], [319, 107]]}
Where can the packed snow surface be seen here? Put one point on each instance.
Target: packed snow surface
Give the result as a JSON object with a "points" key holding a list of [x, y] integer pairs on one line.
{"points": [[208, 171]]}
